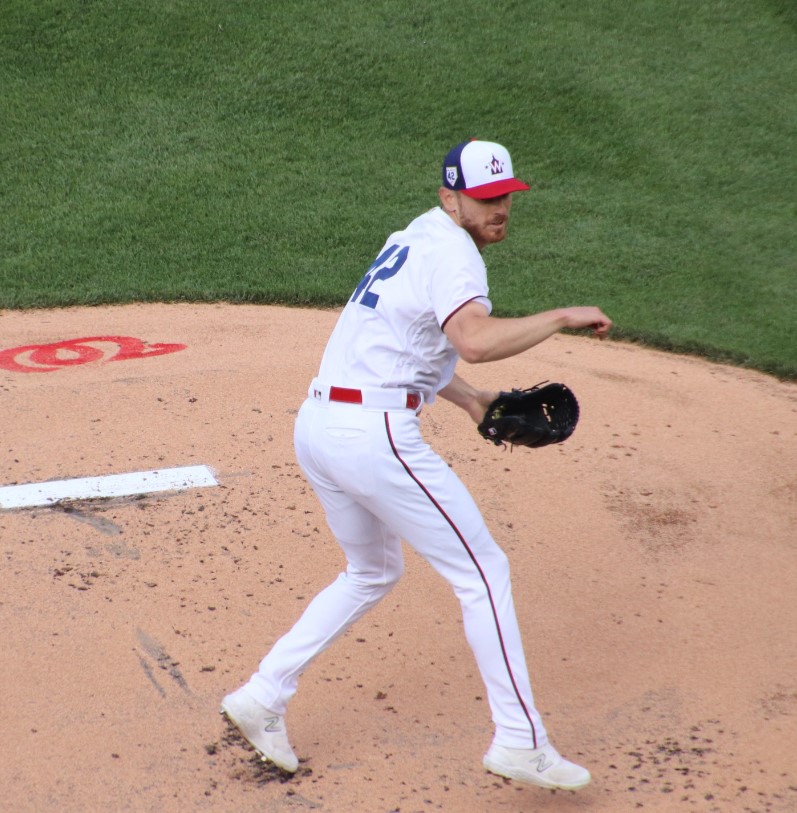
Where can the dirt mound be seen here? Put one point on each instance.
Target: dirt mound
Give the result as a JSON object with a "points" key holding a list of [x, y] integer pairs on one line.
{"points": [[654, 565]]}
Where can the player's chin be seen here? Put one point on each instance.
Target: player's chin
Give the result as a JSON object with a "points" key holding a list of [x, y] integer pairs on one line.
{"points": [[495, 233]]}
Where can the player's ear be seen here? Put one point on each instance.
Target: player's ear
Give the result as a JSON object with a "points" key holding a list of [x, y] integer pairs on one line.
{"points": [[448, 200]]}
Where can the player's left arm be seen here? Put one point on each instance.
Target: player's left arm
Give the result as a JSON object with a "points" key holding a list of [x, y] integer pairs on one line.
{"points": [[467, 397], [479, 337]]}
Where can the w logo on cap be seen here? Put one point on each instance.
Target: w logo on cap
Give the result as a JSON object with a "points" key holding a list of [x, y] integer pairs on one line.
{"points": [[496, 166]]}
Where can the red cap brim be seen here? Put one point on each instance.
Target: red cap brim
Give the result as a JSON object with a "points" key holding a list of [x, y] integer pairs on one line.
{"points": [[496, 189]]}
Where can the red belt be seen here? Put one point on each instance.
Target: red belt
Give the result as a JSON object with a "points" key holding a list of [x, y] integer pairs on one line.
{"points": [[347, 396]]}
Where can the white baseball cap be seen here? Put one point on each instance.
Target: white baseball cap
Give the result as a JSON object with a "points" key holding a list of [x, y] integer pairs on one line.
{"points": [[481, 170]]}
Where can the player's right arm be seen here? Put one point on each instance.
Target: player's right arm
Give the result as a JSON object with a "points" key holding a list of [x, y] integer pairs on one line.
{"points": [[479, 337]]}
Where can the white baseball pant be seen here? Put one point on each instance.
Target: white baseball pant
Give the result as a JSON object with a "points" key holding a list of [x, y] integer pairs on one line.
{"points": [[379, 483]]}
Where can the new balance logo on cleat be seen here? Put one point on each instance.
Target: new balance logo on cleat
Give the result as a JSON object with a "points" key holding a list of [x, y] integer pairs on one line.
{"points": [[542, 763], [272, 724]]}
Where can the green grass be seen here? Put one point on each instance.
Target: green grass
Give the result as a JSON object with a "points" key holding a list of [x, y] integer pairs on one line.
{"points": [[261, 152]]}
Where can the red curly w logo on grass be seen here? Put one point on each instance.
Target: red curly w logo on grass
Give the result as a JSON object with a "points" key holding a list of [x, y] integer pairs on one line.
{"points": [[47, 358]]}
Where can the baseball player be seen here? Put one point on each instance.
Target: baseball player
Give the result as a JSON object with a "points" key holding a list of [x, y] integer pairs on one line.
{"points": [[422, 305]]}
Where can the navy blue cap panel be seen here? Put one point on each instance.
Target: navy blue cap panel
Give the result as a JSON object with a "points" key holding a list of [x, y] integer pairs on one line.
{"points": [[453, 177]]}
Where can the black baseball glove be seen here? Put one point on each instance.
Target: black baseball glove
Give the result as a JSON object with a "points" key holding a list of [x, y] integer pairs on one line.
{"points": [[533, 417]]}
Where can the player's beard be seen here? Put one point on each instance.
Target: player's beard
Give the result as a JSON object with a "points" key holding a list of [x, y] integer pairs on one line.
{"points": [[493, 231]]}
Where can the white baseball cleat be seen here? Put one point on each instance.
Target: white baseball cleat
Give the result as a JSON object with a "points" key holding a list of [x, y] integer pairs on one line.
{"points": [[264, 729], [544, 767]]}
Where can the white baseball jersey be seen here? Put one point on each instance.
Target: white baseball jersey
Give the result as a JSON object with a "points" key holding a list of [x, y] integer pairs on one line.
{"points": [[390, 332]]}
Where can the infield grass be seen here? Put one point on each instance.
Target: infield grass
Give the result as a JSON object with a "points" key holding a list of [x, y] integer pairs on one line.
{"points": [[259, 152]]}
